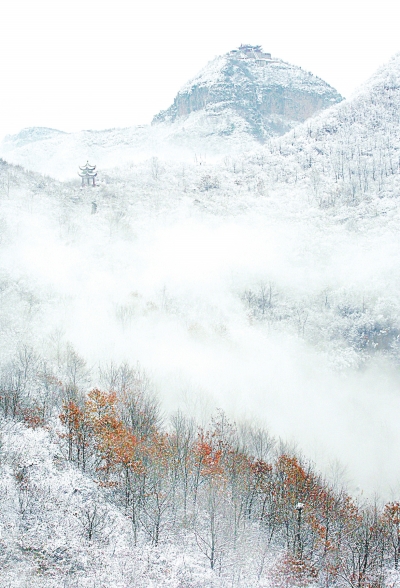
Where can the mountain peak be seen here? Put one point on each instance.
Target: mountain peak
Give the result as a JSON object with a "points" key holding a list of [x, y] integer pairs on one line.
{"points": [[248, 85]]}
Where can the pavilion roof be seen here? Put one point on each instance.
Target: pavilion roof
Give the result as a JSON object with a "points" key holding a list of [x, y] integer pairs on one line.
{"points": [[87, 166]]}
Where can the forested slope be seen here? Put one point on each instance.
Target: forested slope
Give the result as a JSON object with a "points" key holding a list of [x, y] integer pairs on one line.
{"points": [[105, 494]]}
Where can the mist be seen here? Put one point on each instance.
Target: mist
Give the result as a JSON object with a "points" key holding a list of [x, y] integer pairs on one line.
{"points": [[164, 284]]}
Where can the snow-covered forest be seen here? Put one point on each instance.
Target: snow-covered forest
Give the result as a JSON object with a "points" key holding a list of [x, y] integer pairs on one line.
{"points": [[107, 495], [199, 356]]}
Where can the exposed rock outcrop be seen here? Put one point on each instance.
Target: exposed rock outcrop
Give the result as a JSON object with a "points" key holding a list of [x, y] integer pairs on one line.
{"points": [[271, 96]]}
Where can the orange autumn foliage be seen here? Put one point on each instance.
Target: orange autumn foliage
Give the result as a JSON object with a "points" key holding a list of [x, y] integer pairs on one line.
{"points": [[151, 470], [208, 456]]}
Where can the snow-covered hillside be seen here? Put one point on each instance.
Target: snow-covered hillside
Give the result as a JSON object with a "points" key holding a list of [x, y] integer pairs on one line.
{"points": [[60, 155], [57, 528], [348, 154]]}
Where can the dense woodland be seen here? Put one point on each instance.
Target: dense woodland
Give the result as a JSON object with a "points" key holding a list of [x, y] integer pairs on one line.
{"points": [[252, 509]]}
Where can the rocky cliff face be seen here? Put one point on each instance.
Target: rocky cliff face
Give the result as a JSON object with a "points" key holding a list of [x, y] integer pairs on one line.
{"points": [[271, 96]]}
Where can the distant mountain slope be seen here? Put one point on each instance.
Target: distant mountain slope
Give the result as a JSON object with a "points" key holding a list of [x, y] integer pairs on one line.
{"points": [[349, 154], [60, 155], [236, 102], [271, 96], [30, 135]]}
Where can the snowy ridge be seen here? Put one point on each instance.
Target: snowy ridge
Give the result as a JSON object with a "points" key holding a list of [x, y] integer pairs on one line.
{"points": [[30, 135], [270, 95], [211, 74], [388, 75], [349, 154], [274, 72], [61, 155]]}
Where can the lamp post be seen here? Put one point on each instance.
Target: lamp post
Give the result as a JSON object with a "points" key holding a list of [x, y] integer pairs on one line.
{"points": [[298, 545]]}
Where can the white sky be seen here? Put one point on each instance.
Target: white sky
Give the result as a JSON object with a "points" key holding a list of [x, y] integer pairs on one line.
{"points": [[92, 65]]}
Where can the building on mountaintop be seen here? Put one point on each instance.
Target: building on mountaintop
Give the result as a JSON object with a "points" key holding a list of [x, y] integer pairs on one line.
{"points": [[252, 52], [88, 171]]}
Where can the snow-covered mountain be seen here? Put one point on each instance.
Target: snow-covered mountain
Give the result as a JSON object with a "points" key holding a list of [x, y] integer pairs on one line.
{"points": [[252, 93], [237, 101]]}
